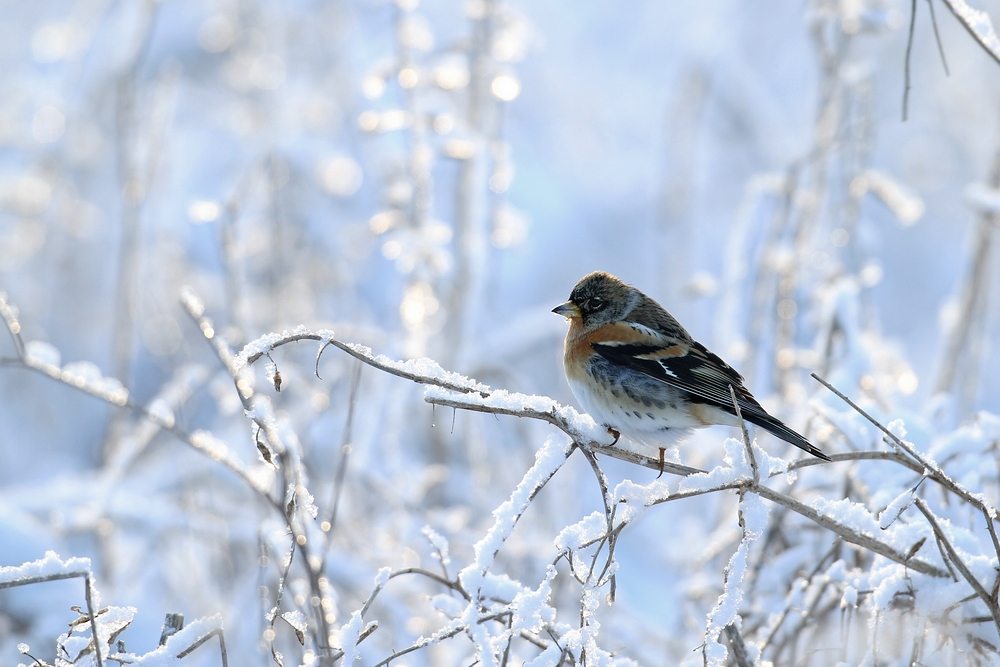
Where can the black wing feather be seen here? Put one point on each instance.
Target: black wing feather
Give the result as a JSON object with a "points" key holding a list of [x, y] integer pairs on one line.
{"points": [[707, 378]]}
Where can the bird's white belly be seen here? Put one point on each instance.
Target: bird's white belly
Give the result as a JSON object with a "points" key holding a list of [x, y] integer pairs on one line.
{"points": [[631, 417]]}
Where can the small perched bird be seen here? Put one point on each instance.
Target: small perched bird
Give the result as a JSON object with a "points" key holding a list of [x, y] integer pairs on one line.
{"points": [[635, 369]]}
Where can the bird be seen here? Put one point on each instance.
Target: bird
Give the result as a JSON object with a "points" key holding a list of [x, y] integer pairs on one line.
{"points": [[636, 370]]}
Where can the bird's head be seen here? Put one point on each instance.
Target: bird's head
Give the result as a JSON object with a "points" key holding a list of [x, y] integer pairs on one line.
{"points": [[597, 299]]}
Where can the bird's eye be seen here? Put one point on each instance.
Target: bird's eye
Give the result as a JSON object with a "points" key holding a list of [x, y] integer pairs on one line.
{"points": [[596, 304]]}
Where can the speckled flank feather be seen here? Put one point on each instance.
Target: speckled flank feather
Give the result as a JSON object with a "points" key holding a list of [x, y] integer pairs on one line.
{"points": [[634, 368]]}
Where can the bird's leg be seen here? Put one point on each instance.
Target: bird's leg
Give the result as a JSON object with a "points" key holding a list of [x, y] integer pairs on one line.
{"points": [[662, 450], [615, 433]]}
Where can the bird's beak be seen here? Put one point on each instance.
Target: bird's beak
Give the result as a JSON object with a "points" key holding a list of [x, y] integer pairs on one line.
{"points": [[568, 310]]}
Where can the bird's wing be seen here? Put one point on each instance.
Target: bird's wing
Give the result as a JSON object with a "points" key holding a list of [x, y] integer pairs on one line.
{"points": [[687, 365]]}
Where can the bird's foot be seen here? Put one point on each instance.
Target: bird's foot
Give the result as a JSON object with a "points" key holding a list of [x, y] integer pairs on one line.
{"points": [[615, 433], [662, 450]]}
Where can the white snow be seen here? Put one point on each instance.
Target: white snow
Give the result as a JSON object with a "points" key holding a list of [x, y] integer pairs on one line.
{"points": [[160, 410], [548, 459], [192, 302], [49, 566], [736, 468], [726, 610], [41, 354], [894, 509], [979, 23], [297, 620], [347, 638], [183, 639], [264, 344]]}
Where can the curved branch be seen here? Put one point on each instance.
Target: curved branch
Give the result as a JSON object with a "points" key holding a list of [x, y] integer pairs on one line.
{"points": [[866, 455]]}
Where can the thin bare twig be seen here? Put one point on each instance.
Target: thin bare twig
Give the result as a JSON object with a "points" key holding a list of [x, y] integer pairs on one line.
{"points": [[739, 648], [937, 38], [423, 642], [88, 581], [906, 66], [57, 576]]}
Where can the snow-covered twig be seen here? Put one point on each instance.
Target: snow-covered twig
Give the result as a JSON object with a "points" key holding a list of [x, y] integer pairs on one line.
{"points": [[989, 600], [180, 644], [294, 511], [36, 359], [421, 371], [51, 568], [930, 467], [979, 26], [9, 314], [753, 520], [746, 437], [204, 638]]}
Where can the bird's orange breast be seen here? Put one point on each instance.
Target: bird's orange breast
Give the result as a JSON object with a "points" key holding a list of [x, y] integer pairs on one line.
{"points": [[577, 349]]}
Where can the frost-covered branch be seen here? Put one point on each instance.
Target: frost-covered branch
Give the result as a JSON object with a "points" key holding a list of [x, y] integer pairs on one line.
{"points": [[51, 568], [930, 468], [978, 25], [85, 377], [989, 600]]}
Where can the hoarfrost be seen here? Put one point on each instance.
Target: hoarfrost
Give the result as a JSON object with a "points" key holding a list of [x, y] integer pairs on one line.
{"points": [[440, 544]]}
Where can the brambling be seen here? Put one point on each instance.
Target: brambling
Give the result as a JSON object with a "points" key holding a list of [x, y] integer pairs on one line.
{"points": [[635, 369]]}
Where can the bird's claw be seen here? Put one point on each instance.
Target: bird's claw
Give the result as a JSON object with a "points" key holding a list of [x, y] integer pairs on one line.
{"points": [[615, 433], [662, 450]]}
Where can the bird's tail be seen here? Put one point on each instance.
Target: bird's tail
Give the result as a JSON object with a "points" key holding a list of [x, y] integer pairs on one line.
{"points": [[777, 428]]}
